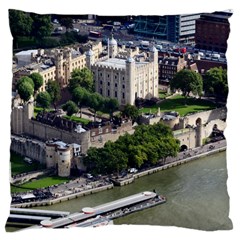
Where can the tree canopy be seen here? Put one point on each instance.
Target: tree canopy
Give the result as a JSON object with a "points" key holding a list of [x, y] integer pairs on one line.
{"points": [[188, 82], [42, 26], [110, 105], [66, 22], [148, 145], [25, 79], [20, 23], [70, 107], [81, 78], [130, 111], [215, 83], [37, 80], [43, 99], [25, 90], [54, 91]]}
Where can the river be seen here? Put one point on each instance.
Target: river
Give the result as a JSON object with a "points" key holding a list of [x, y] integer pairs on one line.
{"points": [[196, 195]]}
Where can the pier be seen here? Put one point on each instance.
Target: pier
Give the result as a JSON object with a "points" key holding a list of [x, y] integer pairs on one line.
{"points": [[89, 215]]}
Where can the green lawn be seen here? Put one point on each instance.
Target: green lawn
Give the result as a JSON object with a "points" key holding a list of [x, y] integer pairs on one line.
{"points": [[18, 165], [181, 105], [39, 183], [77, 119], [40, 109], [162, 94]]}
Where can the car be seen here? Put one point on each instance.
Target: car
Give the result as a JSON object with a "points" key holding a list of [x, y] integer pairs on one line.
{"points": [[89, 176], [75, 30], [28, 160], [55, 21], [133, 170]]}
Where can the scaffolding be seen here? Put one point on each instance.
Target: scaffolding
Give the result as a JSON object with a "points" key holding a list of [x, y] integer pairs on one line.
{"points": [[158, 27]]}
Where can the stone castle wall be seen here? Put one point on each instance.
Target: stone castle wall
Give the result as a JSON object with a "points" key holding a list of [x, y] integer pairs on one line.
{"points": [[206, 116], [29, 148]]}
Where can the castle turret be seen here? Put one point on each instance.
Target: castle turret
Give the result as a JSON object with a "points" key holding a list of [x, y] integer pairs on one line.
{"points": [[59, 66], [64, 161], [50, 155], [199, 130], [112, 47], [153, 58], [90, 58], [130, 80], [68, 65]]}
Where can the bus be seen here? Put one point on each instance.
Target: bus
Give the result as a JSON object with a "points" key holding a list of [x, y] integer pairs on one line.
{"points": [[94, 35]]}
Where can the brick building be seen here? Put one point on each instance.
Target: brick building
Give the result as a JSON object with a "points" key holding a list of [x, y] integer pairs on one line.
{"points": [[212, 31]]}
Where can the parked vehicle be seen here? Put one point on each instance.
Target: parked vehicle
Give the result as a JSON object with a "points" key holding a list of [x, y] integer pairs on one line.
{"points": [[28, 160]]}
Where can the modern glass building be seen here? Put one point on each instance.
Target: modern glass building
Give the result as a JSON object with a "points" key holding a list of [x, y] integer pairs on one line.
{"points": [[173, 28]]}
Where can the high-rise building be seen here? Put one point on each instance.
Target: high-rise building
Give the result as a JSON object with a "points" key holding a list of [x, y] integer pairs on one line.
{"points": [[173, 28]]}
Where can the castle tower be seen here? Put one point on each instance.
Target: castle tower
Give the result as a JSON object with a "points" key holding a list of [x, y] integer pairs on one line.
{"points": [[130, 81], [112, 47], [59, 67], [64, 161], [90, 58], [153, 58], [67, 66], [199, 130], [50, 154]]}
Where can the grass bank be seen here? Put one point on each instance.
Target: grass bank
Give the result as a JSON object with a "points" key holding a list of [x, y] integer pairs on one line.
{"points": [[182, 105]]}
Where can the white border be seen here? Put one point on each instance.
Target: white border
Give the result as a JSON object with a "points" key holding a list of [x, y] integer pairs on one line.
{"points": [[124, 7]]}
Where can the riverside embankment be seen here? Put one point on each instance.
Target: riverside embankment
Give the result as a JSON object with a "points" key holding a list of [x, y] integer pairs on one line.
{"points": [[75, 191]]}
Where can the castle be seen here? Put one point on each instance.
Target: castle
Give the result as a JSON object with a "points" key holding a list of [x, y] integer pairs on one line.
{"points": [[124, 74]]}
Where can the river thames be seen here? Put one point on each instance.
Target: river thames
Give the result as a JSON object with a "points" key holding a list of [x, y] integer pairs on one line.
{"points": [[196, 195]]}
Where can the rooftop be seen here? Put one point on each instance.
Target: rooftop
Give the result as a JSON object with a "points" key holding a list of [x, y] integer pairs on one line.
{"points": [[117, 63]]}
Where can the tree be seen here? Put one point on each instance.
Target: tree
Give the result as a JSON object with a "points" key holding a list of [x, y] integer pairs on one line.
{"points": [[20, 24], [111, 105], [66, 22], [80, 97], [43, 99], [215, 83], [137, 155], [42, 26], [25, 90], [131, 112], [95, 101], [187, 81], [25, 79], [81, 78], [70, 107], [54, 91], [37, 80]]}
